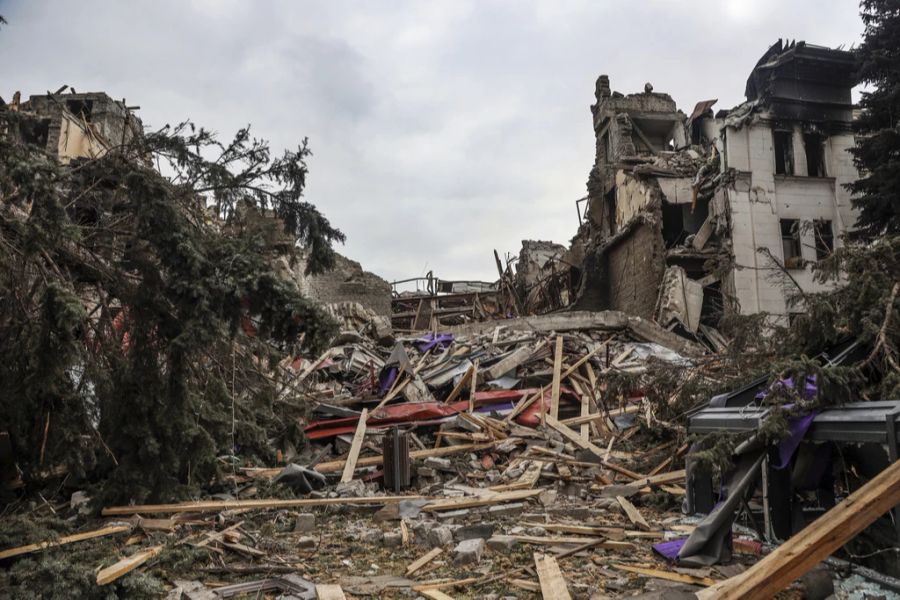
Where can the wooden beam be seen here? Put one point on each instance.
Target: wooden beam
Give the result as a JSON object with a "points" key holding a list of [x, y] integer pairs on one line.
{"points": [[436, 595], [513, 361], [643, 137], [814, 543], [553, 584], [634, 515], [557, 366], [78, 537], [557, 540], [599, 416], [670, 576], [423, 560], [460, 386], [126, 565], [523, 404], [219, 505], [474, 381], [355, 446], [328, 591], [570, 434], [583, 360], [472, 501], [369, 461]]}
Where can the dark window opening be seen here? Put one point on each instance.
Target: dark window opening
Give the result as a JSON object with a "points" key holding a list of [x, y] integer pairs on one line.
{"points": [[81, 108], [696, 132], [784, 152], [815, 154], [679, 222], [790, 243], [824, 238], [611, 210]]}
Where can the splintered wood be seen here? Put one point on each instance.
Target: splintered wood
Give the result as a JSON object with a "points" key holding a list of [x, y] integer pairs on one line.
{"points": [[557, 366], [126, 565], [553, 584], [423, 560], [815, 542], [355, 447], [634, 515], [329, 592], [69, 539]]}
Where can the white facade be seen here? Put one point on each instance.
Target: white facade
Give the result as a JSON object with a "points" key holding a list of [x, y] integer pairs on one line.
{"points": [[764, 203]]}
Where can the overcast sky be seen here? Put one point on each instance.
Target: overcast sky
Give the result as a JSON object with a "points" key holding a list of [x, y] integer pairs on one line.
{"points": [[440, 130]]}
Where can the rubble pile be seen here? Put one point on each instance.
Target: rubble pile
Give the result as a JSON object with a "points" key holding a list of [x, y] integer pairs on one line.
{"points": [[494, 460]]}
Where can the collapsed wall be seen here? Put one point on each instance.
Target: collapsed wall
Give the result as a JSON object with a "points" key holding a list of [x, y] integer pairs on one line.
{"points": [[691, 218], [346, 282]]}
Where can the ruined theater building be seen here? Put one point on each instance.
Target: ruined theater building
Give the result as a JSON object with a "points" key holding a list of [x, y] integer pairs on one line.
{"points": [[690, 217]]}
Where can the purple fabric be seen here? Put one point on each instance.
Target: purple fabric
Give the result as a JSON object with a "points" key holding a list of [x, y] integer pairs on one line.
{"points": [[670, 549], [386, 378], [809, 390], [797, 428], [430, 341]]}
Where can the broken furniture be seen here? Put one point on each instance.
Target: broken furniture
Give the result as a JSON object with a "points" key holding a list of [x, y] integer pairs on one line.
{"points": [[870, 423]]}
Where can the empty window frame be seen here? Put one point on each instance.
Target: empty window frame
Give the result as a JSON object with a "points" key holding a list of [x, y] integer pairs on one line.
{"points": [[815, 154], [824, 238], [784, 152], [790, 243], [81, 108]]}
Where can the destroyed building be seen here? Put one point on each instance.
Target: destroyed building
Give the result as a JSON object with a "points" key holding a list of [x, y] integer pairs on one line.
{"points": [[691, 217], [77, 125]]}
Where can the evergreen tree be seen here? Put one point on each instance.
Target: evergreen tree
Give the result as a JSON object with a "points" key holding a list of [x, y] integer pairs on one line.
{"points": [[144, 315], [877, 151]]}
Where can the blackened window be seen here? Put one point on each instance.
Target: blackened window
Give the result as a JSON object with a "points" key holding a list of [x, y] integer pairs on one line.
{"points": [[815, 154], [784, 152], [790, 243], [81, 108], [824, 238]]}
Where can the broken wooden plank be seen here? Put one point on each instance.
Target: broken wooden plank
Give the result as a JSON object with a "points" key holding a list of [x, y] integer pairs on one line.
{"points": [[599, 416], [436, 585], [513, 361], [474, 387], [423, 560], [815, 542], [329, 591], [526, 585], [562, 540], [355, 446], [661, 479], [126, 565], [369, 461], [436, 594], [218, 505], [569, 433], [404, 533], [670, 576], [458, 388], [553, 584], [78, 537], [634, 515], [557, 366], [523, 404], [471, 502], [583, 360]]}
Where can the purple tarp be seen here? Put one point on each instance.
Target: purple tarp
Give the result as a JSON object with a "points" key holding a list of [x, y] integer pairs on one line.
{"points": [[430, 341]]}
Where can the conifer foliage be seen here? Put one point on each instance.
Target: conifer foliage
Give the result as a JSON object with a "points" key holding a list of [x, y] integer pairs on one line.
{"points": [[143, 314], [877, 152]]}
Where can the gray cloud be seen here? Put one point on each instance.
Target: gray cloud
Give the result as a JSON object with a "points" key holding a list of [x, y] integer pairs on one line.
{"points": [[440, 130]]}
